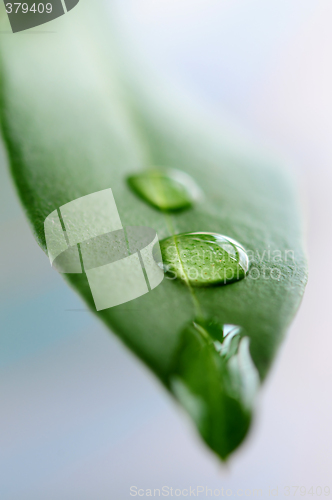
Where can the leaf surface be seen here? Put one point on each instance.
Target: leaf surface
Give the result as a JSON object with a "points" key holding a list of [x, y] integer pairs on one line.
{"points": [[76, 120]]}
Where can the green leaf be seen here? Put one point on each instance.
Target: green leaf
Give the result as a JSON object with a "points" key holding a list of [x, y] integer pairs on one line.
{"points": [[77, 120]]}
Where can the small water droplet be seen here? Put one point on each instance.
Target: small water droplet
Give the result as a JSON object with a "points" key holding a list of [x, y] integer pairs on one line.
{"points": [[192, 257], [165, 189]]}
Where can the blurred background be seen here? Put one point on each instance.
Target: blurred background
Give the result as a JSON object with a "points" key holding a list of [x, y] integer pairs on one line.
{"points": [[80, 417]]}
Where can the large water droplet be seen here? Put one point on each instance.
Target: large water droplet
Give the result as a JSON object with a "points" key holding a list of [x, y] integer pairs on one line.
{"points": [[165, 189], [204, 259], [216, 381]]}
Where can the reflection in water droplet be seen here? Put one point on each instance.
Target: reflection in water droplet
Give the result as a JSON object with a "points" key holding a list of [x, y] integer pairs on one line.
{"points": [[166, 189], [216, 381], [204, 259]]}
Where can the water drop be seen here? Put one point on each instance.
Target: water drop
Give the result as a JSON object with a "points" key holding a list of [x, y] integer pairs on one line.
{"points": [[216, 381], [165, 189], [204, 259]]}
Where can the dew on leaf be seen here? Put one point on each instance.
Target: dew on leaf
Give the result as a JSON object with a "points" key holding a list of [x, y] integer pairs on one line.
{"points": [[165, 189], [204, 259], [216, 381]]}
